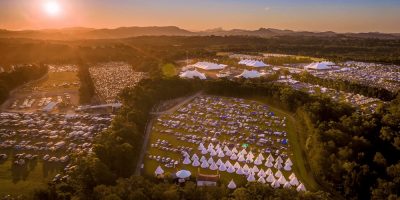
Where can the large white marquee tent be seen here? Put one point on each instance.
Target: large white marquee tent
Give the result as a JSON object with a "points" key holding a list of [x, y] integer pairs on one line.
{"points": [[253, 63], [192, 74], [209, 66], [320, 66], [249, 74]]}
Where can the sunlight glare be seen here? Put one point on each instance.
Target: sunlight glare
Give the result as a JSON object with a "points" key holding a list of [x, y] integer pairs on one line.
{"points": [[52, 8]]}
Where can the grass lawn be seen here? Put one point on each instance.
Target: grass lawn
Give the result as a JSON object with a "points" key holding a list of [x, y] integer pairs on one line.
{"points": [[294, 153], [294, 129], [23, 182]]}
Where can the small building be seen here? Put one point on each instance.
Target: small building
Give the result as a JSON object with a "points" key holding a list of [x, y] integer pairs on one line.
{"points": [[207, 180]]}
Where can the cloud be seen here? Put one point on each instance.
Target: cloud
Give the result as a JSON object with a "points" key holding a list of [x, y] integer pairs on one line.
{"points": [[267, 9]]}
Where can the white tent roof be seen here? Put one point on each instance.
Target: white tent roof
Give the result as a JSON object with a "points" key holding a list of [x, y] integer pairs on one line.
{"points": [[213, 166], [159, 171], [249, 74], [231, 169], [186, 161], [251, 178], [209, 66], [183, 174], [204, 164], [253, 63], [192, 74], [320, 65], [232, 185], [301, 188], [196, 163]]}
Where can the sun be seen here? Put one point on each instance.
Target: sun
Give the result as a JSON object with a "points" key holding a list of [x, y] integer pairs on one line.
{"points": [[52, 8]]}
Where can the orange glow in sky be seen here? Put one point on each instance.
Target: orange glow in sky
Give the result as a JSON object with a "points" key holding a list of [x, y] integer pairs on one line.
{"points": [[301, 15]]}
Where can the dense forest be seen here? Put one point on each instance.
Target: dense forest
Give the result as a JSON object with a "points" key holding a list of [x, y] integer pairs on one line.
{"points": [[352, 153], [165, 49], [19, 76]]}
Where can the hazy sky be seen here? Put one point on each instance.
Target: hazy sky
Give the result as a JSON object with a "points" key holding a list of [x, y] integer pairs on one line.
{"points": [[312, 15]]}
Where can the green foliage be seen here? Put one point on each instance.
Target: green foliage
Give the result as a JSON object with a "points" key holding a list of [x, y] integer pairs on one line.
{"points": [[86, 90], [169, 70]]}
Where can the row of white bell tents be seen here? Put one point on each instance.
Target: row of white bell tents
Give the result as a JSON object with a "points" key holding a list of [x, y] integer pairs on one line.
{"points": [[275, 183], [197, 162], [217, 151]]}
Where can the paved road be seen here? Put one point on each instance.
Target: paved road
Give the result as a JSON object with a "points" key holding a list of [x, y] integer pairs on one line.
{"points": [[150, 125]]}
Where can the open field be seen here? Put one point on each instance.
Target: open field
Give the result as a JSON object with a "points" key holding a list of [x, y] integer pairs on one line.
{"points": [[36, 148], [229, 123], [58, 86], [23, 182]]}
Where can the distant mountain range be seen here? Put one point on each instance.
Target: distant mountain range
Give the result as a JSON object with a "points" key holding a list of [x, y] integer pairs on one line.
{"points": [[125, 32]]}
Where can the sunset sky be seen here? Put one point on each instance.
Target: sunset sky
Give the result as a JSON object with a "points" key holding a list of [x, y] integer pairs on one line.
{"points": [[310, 15]]}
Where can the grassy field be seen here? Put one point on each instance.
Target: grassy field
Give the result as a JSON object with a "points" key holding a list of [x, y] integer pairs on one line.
{"points": [[23, 182], [294, 131], [294, 153]]}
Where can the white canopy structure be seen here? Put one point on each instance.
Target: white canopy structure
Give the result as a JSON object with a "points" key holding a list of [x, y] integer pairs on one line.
{"points": [[278, 165], [251, 178], [261, 173], [196, 163], [275, 184], [249, 74], [159, 171], [222, 167], [258, 161], [187, 161], [221, 154], [261, 180], [232, 184], [233, 156], [320, 66], [231, 169], [204, 151], [282, 180], [270, 178], [204, 164], [237, 165], [252, 63], [193, 74], [269, 171], [201, 146], [239, 171], [213, 166], [301, 188], [255, 169], [287, 185], [202, 159], [278, 174], [210, 161], [270, 158], [195, 157], [183, 174], [268, 163], [293, 181], [209, 66], [219, 162], [287, 167]]}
